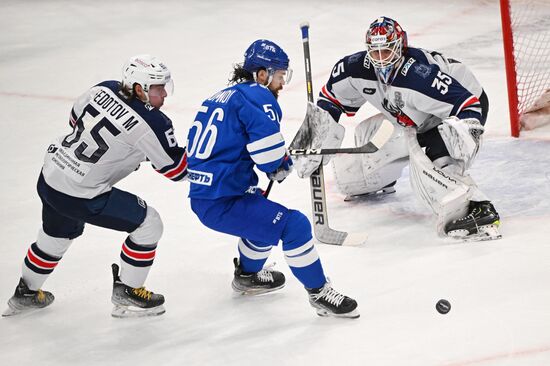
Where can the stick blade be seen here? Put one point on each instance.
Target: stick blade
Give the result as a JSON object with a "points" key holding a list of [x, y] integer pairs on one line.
{"points": [[326, 235]]}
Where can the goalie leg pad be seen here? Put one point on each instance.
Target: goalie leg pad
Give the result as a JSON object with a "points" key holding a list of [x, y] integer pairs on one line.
{"points": [[367, 173], [355, 175], [445, 193]]}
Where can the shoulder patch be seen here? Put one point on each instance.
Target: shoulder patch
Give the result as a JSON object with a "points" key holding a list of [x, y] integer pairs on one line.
{"points": [[405, 68], [422, 70]]}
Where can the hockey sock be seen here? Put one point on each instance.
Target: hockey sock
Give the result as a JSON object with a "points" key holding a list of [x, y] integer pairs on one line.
{"points": [[37, 267], [253, 255], [300, 253], [305, 264], [135, 262], [42, 258]]}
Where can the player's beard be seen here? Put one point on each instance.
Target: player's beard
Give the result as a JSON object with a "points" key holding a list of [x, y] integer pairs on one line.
{"points": [[275, 92]]}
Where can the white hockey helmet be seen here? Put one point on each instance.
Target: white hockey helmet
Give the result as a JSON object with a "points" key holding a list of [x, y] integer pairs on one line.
{"points": [[146, 70]]}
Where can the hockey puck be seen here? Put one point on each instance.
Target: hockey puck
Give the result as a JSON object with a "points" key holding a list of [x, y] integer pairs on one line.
{"points": [[443, 306]]}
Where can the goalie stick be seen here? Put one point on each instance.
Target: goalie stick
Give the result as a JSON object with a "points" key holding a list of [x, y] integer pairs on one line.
{"points": [[365, 149], [321, 229]]}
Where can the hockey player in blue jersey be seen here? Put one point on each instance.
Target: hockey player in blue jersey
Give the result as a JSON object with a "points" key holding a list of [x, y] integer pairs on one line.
{"points": [[436, 97], [235, 130], [116, 126]]}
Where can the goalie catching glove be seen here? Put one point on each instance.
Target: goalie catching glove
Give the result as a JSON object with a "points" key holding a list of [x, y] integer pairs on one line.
{"points": [[462, 137], [283, 170]]}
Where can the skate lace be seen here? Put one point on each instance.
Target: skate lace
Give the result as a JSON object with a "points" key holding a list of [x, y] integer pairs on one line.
{"points": [[143, 293], [472, 215], [330, 295], [266, 274], [40, 295]]}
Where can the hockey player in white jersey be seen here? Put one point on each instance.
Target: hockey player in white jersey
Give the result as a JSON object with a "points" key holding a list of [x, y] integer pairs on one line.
{"points": [[116, 126], [434, 103]]}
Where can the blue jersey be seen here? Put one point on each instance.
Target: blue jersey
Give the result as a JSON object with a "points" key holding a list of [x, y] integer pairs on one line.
{"points": [[234, 130]]}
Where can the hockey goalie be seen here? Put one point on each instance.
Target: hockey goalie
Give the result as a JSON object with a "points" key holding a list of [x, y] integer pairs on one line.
{"points": [[438, 110]]}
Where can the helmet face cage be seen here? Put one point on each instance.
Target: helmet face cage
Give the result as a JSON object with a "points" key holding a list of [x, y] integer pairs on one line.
{"points": [[385, 41], [146, 70], [264, 54]]}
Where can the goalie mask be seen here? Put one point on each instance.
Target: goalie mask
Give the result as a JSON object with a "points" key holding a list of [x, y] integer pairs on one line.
{"points": [[386, 43], [264, 54], [146, 71]]}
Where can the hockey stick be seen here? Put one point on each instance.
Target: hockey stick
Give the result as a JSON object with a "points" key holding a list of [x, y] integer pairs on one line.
{"points": [[321, 229], [365, 149]]}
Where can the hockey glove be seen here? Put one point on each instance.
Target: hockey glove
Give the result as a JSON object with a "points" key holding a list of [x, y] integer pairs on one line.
{"points": [[283, 170], [462, 138]]}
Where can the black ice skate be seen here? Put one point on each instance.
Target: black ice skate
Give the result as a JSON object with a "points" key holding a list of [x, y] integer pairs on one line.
{"points": [[330, 302], [481, 223], [25, 299], [134, 302], [267, 280], [389, 189]]}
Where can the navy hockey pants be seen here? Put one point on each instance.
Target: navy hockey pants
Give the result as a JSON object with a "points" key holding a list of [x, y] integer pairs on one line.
{"points": [[64, 216]]}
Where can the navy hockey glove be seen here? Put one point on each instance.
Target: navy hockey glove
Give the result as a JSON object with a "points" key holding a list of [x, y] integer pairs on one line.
{"points": [[283, 170]]}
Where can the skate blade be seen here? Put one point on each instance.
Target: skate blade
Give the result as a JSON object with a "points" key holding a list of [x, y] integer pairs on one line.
{"points": [[120, 311], [485, 233], [11, 312], [254, 292], [351, 315]]}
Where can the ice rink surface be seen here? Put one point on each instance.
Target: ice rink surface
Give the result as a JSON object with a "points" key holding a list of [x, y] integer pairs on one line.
{"points": [[52, 51]]}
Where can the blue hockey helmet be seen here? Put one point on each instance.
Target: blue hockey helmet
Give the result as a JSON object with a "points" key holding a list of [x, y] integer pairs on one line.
{"points": [[264, 54], [386, 43]]}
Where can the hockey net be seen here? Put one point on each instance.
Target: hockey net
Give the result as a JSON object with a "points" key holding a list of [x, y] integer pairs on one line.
{"points": [[526, 35]]}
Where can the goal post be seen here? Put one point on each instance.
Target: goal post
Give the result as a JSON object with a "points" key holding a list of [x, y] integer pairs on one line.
{"points": [[526, 37]]}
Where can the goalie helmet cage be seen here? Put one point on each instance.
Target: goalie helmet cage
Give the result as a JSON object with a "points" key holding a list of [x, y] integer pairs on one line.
{"points": [[526, 36]]}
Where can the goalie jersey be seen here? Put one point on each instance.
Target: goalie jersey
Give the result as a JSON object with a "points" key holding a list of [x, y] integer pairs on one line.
{"points": [[111, 137], [427, 88], [234, 130]]}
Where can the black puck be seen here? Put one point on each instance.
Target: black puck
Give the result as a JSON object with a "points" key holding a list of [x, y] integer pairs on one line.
{"points": [[443, 306]]}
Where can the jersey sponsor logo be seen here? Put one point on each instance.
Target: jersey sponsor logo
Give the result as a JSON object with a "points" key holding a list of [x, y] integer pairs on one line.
{"points": [[405, 68], [198, 177], [369, 91], [65, 161], [52, 148], [422, 70]]}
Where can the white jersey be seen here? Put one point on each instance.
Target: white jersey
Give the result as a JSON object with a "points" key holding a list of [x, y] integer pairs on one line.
{"points": [[426, 89], [111, 137]]}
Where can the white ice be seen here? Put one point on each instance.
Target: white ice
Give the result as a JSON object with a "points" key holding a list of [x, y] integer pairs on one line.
{"points": [[51, 51]]}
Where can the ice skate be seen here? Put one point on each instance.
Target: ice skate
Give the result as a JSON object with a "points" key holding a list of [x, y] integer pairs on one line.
{"points": [[389, 189], [132, 302], [25, 300], [480, 224], [264, 281], [330, 302]]}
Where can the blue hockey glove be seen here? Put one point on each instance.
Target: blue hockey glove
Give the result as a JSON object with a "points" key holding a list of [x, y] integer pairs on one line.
{"points": [[283, 170]]}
